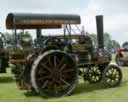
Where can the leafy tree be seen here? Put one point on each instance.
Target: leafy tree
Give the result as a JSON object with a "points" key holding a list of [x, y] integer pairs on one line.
{"points": [[94, 40], [9, 37], [125, 45], [107, 40], [21, 36], [115, 46], [109, 44]]}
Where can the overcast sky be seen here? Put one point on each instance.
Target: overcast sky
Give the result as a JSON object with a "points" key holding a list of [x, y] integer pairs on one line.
{"points": [[115, 13]]}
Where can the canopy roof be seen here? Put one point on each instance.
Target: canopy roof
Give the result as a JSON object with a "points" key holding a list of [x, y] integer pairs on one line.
{"points": [[38, 21]]}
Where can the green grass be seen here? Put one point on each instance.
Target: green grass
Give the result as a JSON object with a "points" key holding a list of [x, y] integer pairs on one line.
{"points": [[84, 92]]}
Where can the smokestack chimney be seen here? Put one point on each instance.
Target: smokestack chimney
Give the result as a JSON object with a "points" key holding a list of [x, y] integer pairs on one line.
{"points": [[38, 37], [100, 32], [38, 33]]}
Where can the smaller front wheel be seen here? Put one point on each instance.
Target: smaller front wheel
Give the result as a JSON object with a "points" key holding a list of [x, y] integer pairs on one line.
{"points": [[112, 76]]}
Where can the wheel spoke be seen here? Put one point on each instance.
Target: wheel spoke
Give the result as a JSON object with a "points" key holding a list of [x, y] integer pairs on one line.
{"points": [[116, 73], [43, 78], [62, 67], [44, 85], [94, 69], [107, 74], [64, 81], [55, 59], [112, 70], [49, 61], [61, 62], [55, 89], [117, 79], [41, 72], [46, 67], [112, 82], [97, 77], [117, 76], [107, 80]]}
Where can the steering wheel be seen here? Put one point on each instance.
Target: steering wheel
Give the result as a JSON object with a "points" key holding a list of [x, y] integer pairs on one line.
{"points": [[53, 41]]}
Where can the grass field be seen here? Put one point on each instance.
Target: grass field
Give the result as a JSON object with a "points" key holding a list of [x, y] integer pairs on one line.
{"points": [[84, 92]]}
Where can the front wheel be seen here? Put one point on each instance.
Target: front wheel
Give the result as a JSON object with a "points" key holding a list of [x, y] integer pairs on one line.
{"points": [[112, 76]]}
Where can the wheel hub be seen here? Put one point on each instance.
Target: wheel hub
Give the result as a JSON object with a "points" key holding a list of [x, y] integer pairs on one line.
{"points": [[55, 74], [94, 74], [112, 76]]}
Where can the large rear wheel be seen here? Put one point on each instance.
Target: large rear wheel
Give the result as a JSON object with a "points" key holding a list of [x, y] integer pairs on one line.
{"points": [[54, 74]]}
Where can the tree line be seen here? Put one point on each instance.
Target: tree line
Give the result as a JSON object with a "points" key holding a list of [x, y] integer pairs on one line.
{"points": [[109, 44]]}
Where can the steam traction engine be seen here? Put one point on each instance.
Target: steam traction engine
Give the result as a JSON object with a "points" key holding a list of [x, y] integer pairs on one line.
{"points": [[53, 67], [122, 55]]}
